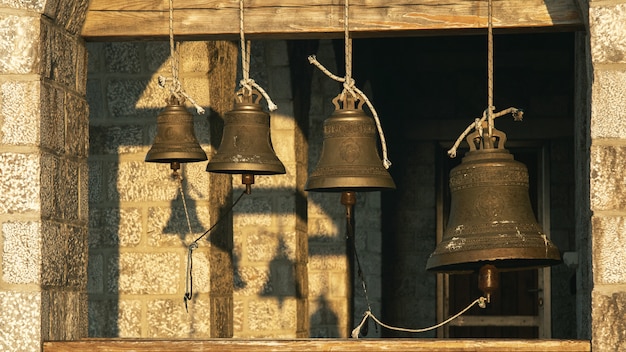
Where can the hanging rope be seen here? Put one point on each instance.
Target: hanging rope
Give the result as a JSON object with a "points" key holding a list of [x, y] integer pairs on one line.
{"points": [[488, 114], [490, 106], [175, 85], [349, 84], [481, 301], [246, 82], [194, 245]]}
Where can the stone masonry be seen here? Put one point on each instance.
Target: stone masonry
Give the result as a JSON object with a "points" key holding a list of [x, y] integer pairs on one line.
{"points": [[607, 174], [134, 236], [43, 147]]}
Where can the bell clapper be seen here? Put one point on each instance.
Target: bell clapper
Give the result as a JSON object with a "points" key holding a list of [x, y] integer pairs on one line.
{"points": [[248, 180], [488, 280], [175, 166]]}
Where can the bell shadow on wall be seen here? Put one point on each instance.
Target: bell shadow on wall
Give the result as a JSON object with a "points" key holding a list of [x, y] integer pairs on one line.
{"points": [[325, 319]]}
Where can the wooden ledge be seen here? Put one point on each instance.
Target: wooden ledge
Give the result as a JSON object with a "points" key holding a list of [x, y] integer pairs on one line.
{"points": [[317, 345], [279, 19]]}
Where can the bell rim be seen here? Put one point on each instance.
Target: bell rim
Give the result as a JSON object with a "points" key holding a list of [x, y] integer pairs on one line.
{"points": [[536, 257], [351, 183], [246, 168]]}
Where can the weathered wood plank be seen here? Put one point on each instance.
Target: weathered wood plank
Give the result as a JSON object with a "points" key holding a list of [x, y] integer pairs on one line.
{"points": [[318, 345], [219, 19]]}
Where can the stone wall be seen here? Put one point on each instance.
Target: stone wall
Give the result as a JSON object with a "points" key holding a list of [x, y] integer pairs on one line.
{"points": [[43, 148], [607, 30], [138, 233]]}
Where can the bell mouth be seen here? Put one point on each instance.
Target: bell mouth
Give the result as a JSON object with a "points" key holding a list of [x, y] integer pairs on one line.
{"points": [[510, 252]]}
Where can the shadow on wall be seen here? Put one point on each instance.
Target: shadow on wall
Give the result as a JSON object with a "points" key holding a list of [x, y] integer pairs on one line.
{"points": [[138, 231]]}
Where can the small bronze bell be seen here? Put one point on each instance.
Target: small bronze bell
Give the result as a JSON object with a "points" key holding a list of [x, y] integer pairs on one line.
{"points": [[175, 141], [491, 219], [246, 146], [349, 159]]}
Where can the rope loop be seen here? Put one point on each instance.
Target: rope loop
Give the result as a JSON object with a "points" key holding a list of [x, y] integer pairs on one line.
{"points": [[481, 302]]}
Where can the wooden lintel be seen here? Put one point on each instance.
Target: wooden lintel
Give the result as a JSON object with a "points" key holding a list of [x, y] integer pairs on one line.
{"points": [[318, 345], [269, 19]]}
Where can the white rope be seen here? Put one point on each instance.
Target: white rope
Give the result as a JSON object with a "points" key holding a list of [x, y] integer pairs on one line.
{"points": [[348, 82], [490, 106], [357, 93], [477, 124], [481, 301], [175, 85], [246, 82]]}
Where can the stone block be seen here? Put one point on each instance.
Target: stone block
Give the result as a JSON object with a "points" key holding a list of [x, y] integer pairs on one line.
{"points": [[83, 193], [167, 318], [149, 273], [609, 268], [19, 44], [116, 139], [125, 98], [63, 59], [263, 246], [20, 321], [96, 182], [103, 318], [54, 255], [122, 57], [158, 57], [198, 89], [271, 315], [121, 227], [608, 114], [252, 281], [50, 166], [95, 55], [238, 316], [76, 259], [22, 245], [140, 182], [252, 211], [81, 68], [52, 121], [608, 177], [21, 190], [607, 25], [95, 100], [71, 15], [95, 270], [168, 227], [129, 318], [20, 109], [609, 326], [327, 257], [61, 315], [67, 190], [77, 125], [194, 57]]}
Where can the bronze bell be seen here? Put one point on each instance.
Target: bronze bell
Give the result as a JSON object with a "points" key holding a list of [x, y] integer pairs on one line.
{"points": [[175, 141], [246, 146], [349, 159], [491, 219]]}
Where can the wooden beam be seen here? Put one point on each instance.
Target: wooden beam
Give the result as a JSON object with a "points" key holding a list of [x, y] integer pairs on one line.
{"points": [[318, 345], [268, 19]]}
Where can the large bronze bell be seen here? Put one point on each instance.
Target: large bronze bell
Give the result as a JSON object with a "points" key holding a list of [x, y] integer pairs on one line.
{"points": [[349, 159], [491, 219], [175, 141], [246, 146]]}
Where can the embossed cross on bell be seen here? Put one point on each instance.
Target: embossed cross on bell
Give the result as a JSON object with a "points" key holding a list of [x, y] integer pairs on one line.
{"points": [[175, 141]]}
